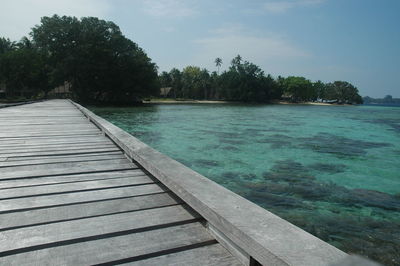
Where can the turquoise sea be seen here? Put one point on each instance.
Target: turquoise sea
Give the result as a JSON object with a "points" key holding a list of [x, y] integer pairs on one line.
{"points": [[332, 170]]}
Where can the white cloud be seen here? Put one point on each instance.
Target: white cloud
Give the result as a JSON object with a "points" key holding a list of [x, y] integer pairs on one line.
{"points": [[169, 8], [283, 6], [257, 47], [17, 17]]}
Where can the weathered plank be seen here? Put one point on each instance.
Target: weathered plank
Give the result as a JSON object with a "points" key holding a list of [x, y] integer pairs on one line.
{"points": [[38, 202], [40, 181], [73, 187], [32, 171], [50, 233], [5, 157], [105, 250], [61, 142], [212, 254], [46, 148], [10, 221], [62, 159]]}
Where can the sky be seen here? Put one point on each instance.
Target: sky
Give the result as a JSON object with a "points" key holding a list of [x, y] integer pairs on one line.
{"points": [[352, 40]]}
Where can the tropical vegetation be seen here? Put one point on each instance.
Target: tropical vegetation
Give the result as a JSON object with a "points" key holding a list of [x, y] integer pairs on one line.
{"points": [[92, 55], [246, 82], [101, 65]]}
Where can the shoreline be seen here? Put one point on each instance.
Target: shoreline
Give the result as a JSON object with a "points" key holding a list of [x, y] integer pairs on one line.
{"points": [[171, 101], [184, 101]]}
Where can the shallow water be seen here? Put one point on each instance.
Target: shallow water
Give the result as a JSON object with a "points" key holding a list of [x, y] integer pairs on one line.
{"points": [[331, 170]]}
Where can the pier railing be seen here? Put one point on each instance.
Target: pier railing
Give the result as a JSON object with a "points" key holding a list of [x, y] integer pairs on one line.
{"points": [[253, 234]]}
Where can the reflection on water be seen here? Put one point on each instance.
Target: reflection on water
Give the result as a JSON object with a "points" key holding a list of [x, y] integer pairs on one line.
{"points": [[333, 171]]}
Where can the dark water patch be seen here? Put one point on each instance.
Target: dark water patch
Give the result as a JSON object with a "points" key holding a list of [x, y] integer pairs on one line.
{"points": [[229, 148], [277, 141], [184, 162], [267, 200], [375, 238], [248, 176], [230, 175], [328, 168], [310, 191], [292, 178], [212, 146], [206, 163], [337, 145], [231, 141], [397, 152], [393, 123], [375, 198], [288, 171], [229, 135]]}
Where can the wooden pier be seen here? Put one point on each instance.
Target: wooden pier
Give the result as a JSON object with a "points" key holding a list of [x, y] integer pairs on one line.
{"points": [[77, 190]]}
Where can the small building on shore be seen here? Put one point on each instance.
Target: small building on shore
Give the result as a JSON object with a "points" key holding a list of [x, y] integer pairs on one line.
{"points": [[165, 92], [62, 91]]}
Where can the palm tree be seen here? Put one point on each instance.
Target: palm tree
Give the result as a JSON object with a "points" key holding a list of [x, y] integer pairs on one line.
{"points": [[218, 63]]}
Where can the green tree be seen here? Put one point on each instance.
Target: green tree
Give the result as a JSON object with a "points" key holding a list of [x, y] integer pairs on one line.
{"points": [[165, 79], [343, 92], [24, 70], [6, 45], [191, 81], [218, 63], [319, 90], [96, 59], [245, 81], [176, 82], [298, 89]]}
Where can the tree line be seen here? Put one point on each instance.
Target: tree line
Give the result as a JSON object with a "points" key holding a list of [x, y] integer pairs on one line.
{"points": [[101, 65], [245, 81], [92, 55]]}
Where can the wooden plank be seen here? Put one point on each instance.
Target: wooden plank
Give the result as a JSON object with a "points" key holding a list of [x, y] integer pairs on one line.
{"points": [[50, 233], [31, 171], [42, 135], [60, 127], [47, 148], [56, 153], [69, 178], [10, 221], [70, 187], [31, 144], [213, 254], [46, 139], [59, 159], [48, 133], [79, 197], [115, 248]]}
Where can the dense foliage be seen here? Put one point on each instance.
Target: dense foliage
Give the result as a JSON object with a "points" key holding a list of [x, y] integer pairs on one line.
{"points": [[92, 55], [245, 81]]}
